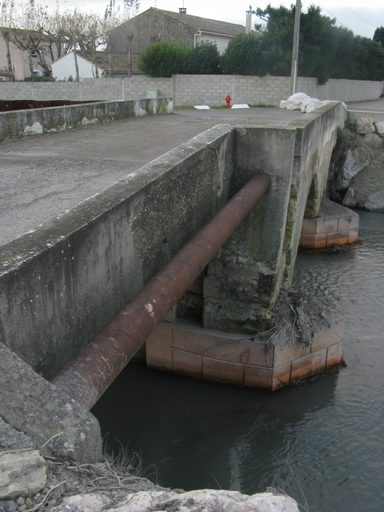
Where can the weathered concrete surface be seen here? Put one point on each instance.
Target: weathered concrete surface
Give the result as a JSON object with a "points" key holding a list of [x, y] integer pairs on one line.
{"points": [[68, 278], [45, 175], [243, 282], [34, 407], [28, 122]]}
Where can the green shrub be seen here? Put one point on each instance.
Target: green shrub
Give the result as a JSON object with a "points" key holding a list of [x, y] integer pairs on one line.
{"points": [[39, 79], [243, 56], [205, 59], [165, 59]]}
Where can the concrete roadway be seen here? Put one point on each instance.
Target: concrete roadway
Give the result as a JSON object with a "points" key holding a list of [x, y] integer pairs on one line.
{"points": [[44, 175]]}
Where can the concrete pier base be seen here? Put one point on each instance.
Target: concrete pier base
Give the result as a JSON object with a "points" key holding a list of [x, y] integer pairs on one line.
{"points": [[335, 225], [268, 360]]}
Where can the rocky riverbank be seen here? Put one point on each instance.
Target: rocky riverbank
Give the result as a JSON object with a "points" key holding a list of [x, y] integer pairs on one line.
{"points": [[357, 166], [31, 483]]}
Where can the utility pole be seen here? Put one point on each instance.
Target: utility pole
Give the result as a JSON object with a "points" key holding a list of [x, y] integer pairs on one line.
{"points": [[295, 49]]}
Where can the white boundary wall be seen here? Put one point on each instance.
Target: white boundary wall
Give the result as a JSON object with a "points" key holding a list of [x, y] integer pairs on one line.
{"points": [[188, 90]]}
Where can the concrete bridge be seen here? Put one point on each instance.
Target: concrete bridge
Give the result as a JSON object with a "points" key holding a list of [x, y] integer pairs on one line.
{"points": [[61, 283]]}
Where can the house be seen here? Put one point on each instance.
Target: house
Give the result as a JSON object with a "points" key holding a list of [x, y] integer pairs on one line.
{"points": [[156, 25], [92, 65], [21, 60], [4, 76]]}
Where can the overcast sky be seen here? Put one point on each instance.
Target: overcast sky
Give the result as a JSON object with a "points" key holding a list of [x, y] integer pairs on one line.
{"points": [[361, 17]]}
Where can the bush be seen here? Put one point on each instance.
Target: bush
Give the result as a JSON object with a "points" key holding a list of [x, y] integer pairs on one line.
{"points": [[205, 59], [243, 56], [39, 79], [165, 59]]}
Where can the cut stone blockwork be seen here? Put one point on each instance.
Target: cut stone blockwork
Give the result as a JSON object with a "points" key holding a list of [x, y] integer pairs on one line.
{"points": [[335, 225], [187, 348]]}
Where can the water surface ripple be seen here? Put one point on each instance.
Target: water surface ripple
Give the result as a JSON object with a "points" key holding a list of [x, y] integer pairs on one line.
{"points": [[322, 442]]}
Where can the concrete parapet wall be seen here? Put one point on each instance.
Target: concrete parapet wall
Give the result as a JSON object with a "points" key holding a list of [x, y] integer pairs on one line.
{"points": [[26, 122], [358, 114], [188, 90], [60, 284]]}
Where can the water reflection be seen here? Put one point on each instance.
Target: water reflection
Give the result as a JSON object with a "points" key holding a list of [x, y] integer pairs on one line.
{"points": [[325, 437]]}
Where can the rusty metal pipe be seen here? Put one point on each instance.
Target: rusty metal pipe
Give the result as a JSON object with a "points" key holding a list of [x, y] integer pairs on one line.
{"points": [[90, 373]]}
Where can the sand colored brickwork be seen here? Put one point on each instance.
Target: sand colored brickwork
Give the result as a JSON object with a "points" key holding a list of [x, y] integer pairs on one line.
{"points": [[185, 347]]}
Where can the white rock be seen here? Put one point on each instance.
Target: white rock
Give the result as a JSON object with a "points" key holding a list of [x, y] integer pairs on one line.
{"points": [[380, 128], [349, 198], [283, 104], [35, 128], [204, 500], [364, 125], [294, 102], [310, 104], [373, 141], [375, 202], [357, 159], [201, 107], [21, 474], [85, 121]]}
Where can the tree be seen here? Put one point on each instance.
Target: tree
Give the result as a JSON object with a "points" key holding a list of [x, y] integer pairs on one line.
{"points": [[243, 56], [6, 22], [165, 59], [378, 36], [205, 59], [46, 35], [326, 51]]}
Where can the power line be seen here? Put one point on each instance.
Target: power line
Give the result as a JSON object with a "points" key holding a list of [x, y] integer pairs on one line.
{"points": [[358, 15]]}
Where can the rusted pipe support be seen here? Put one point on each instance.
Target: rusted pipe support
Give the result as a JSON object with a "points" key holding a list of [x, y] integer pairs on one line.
{"points": [[90, 373]]}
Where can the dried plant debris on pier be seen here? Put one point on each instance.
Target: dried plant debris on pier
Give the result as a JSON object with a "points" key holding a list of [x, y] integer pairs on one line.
{"points": [[297, 316]]}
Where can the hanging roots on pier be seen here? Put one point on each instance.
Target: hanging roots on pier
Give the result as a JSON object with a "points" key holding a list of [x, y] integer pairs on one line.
{"points": [[296, 315]]}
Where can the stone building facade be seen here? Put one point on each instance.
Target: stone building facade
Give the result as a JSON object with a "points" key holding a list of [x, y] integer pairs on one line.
{"points": [[155, 25]]}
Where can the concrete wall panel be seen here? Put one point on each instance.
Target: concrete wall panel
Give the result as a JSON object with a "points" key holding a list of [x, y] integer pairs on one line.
{"points": [[188, 90], [60, 284]]}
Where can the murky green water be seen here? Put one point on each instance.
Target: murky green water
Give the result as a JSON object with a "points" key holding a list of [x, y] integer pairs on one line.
{"points": [[324, 440]]}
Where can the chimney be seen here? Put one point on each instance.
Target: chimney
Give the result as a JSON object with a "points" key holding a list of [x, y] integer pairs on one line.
{"points": [[248, 22], [182, 10]]}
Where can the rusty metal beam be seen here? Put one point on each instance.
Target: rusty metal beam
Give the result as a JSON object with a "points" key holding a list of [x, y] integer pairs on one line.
{"points": [[90, 373]]}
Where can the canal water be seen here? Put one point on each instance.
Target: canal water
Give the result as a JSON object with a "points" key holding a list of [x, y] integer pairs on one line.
{"points": [[321, 442]]}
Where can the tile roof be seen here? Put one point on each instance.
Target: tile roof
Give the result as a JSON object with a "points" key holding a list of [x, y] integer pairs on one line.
{"points": [[205, 24]]}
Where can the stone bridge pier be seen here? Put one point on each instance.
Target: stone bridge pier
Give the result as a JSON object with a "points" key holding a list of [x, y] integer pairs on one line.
{"points": [[243, 281], [239, 288]]}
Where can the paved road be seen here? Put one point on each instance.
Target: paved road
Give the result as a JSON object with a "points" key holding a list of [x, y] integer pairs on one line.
{"points": [[44, 175]]}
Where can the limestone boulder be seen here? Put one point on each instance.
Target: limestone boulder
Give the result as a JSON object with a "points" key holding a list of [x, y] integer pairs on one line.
{"points": [[283, 104], [357, 158], [365, 125], [21, 474], [373, 141], [380, 128], [295, 101], [201, 500], [310, 104], [367, 188]]}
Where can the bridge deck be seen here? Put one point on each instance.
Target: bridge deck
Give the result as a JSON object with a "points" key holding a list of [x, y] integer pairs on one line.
{"points": [[44, 175]]}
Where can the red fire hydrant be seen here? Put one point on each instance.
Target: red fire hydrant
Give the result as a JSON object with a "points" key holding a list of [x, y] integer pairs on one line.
{"points": [[228, 100]]}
